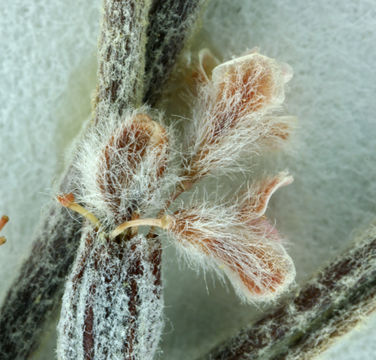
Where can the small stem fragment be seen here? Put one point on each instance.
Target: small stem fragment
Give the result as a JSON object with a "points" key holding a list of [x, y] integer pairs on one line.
{"points": [[69, 202], [4, 219]]}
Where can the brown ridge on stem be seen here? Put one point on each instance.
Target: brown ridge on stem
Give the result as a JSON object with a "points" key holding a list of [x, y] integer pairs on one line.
{"points": [[328, 306]]}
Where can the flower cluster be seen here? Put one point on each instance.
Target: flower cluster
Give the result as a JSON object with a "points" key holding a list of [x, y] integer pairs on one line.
{"points": [[125, 170]]}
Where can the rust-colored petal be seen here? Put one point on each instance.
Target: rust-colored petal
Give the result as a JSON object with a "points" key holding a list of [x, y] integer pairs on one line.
{"points": [[260, 193], [122, 156], [252, 81], [245, 85], [260, 270], [256, 264]]}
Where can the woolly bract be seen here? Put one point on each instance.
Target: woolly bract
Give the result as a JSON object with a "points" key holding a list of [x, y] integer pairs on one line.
{"points": [[238, 109], [238, 241], [121, 164]]}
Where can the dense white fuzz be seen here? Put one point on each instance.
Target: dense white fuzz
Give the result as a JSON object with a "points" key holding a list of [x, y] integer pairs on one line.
{"points": [[249, 253], [121, 56], [121, 166], [112, 305], [238, 109]]}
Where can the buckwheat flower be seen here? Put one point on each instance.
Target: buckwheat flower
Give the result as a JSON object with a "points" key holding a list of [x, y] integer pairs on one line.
{"points": [[238, 108], [122, 164], [238, 241]]}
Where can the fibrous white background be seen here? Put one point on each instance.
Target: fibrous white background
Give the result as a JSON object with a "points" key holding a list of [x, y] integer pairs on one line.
{"points": [[47, 72]]}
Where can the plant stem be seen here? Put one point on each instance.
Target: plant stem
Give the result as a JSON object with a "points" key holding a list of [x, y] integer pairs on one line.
{"points": [[37, 291], [327, 307], [112, 304], [162, 223], [121, 56], [171, 24]]}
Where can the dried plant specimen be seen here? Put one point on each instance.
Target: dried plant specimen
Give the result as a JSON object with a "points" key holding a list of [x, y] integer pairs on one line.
{"points": [[126, 169]]}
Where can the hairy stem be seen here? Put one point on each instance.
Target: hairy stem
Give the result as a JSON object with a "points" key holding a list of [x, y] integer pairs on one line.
{"points": [[121, 56], [171, 24], [328, 306], [38, 289], [112, 305]]}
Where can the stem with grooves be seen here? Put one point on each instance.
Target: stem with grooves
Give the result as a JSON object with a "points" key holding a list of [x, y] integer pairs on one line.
{"points": [[171, 24], [327, 307], [37, 291]]}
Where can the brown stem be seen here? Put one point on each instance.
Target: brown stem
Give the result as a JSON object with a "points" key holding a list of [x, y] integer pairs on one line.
{"points": [[121, 56], [38, 288], [328, 306], [171, 24]]}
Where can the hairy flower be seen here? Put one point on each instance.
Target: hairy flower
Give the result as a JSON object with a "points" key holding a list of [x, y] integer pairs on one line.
{"points": [[239, 242], [140, 141], [121, 166], [238, 108]]}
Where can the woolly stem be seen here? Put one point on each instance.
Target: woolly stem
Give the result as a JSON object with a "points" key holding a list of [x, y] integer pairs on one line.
{"points": [[38, 289], [121, 56], [171, 24], [327, 307], [112, 305]]}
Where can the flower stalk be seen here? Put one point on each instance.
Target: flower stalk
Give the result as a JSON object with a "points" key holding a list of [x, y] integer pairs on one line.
{"points": [[69, 202]]}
